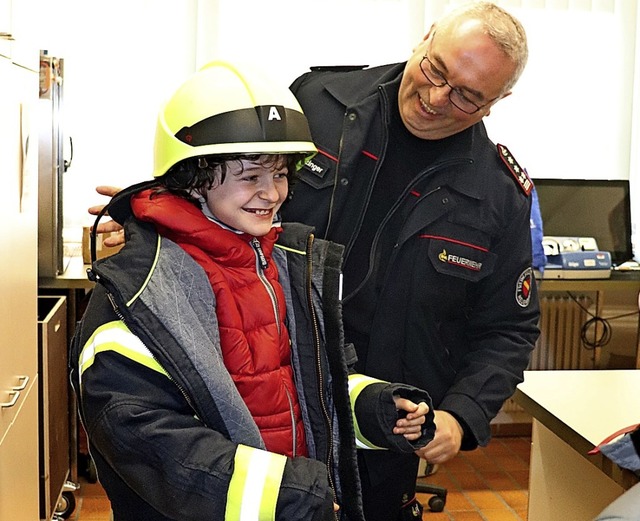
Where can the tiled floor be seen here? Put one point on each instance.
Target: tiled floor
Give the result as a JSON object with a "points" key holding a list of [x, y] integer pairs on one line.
{"points": [[488, 484]]}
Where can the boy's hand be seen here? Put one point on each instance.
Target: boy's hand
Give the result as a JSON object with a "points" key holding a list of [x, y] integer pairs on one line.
{"points": [[410, 426], [108, 226]]}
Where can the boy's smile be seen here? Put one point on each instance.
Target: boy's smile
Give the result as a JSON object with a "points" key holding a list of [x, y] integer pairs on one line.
{"points": [[249, 197]]}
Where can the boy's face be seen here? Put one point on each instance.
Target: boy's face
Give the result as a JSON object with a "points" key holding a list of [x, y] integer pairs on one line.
{"points": [[250, 196]]}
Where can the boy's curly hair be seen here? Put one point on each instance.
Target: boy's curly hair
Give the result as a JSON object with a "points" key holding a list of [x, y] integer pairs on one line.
{"points": [[196, 175]]}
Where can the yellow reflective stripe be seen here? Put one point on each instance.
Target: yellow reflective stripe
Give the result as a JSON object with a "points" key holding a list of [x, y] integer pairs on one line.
{"points": [[255, 485], [155, 262], [357, 382], [286, 248], [115, 336]]}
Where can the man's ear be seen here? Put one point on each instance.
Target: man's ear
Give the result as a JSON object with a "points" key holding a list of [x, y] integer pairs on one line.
{"points": [[424, 38], [431, 29]]}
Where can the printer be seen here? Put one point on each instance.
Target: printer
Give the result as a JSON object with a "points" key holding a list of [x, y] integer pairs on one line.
{"points": [[575, 258]]}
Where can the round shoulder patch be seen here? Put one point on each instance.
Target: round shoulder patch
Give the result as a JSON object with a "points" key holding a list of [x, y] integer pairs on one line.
{"points": [[523, 288]]}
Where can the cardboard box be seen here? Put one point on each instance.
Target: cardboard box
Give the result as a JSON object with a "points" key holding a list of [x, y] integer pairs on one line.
{"points": [[101, 250]]}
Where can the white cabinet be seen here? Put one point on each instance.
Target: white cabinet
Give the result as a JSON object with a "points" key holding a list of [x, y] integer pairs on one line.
{"points": [[5, 28], [17, 35], [19, 472], [19, 493], [25, 46]]}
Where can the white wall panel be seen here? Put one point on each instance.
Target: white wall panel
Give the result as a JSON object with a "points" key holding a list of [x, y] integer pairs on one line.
{"points": [[569, 116]]}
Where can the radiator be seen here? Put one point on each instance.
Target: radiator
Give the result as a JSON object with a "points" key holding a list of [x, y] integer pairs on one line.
{"points": [[559, 345]]}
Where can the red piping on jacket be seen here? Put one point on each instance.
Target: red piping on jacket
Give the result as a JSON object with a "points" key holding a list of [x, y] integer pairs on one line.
{"points": [[448, 239], [334, 158]]}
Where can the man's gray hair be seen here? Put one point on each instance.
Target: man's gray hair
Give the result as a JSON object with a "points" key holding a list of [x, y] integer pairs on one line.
{"points": [[502, 27]]}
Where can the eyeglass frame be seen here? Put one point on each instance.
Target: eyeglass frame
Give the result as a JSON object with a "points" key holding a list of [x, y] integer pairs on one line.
{"points": [[451, 88]]}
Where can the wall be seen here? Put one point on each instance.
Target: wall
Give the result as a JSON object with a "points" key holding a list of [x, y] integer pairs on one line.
{"points": [[122, 59], [570, 115]]}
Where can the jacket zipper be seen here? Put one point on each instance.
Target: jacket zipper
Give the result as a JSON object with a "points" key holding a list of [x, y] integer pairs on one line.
{"points": [[385, 105], [316, 340], [121, 317], [261, 265], [378, 233], [294, 432]]}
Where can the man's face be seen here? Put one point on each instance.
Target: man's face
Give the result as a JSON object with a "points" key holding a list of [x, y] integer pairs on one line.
{"points": [[471, 70]]}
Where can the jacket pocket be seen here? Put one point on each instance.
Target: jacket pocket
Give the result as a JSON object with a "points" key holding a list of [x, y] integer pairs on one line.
{"points": [[460, 259]]}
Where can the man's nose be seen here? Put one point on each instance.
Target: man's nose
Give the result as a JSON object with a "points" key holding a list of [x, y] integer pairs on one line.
{"points": [[439, 96]]}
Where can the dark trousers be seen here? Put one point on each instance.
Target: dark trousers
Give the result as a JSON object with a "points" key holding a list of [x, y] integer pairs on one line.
{"points": [[388, 483]]}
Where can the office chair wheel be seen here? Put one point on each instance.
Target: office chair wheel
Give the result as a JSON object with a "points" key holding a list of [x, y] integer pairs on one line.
{"points": [[439, 495], [436, 504]]}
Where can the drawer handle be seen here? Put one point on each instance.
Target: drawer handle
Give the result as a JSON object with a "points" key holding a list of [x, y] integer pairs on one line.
{"points": [[15, 395], [20, 386]]}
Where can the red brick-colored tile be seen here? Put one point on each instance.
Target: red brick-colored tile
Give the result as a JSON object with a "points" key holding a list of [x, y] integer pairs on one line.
{"points": [[486, 500], [457, 501], [487, 484], [521, 477], [470, 481], [500, 515], [510, 462], [94, 509], [516, 499], [467, 516]]}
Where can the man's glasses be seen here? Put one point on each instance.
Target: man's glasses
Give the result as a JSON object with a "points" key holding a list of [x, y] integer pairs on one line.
{"points": [[456, 97]]}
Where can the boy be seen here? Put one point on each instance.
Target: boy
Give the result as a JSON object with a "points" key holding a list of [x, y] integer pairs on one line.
{"points": [[210, 365]]}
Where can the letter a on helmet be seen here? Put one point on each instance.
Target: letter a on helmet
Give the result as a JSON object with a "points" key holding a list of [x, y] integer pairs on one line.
{"points": [[227, 109]]}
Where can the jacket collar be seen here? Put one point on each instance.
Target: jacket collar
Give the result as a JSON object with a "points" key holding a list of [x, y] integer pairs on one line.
{"points": [[362, 87], [351, 88]]}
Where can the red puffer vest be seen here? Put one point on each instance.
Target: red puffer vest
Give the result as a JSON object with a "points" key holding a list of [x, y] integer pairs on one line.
{"points": [[251, 312]]}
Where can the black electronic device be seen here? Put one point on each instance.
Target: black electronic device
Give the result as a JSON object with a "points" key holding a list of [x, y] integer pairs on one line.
{"points": [[595, 208]]}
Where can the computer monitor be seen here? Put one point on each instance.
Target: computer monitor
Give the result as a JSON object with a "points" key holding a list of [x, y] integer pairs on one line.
{"points": [[588, 208]]}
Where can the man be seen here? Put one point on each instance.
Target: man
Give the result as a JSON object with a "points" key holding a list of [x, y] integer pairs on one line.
{"points": [[439, 290], [434, 218]]}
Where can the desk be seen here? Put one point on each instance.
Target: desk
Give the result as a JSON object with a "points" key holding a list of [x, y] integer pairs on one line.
{"points": [[573, 411], [74, 276], [73, 283]]}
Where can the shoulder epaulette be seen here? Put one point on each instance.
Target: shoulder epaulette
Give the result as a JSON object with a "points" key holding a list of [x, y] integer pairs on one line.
{"points": [[516, 170], [338, 68]]}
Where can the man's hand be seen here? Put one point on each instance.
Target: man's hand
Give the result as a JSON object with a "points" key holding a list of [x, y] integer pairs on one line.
{"points": [[446, 442], [411, 425], [117, 237]]}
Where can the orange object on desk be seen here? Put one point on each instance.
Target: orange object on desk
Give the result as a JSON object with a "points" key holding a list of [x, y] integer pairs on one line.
{"points": [[101, 249]]}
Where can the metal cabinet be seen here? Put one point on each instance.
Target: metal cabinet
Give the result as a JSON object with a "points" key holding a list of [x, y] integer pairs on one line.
{"points": [[18, 291]]}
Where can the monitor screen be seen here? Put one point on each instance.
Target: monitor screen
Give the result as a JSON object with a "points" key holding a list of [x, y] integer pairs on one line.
{"points": [[588, 208]]}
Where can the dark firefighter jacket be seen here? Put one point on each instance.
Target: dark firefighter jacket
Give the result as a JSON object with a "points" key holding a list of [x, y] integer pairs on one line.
{"points": [[169, 434], [454, 309]]}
